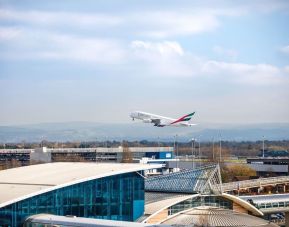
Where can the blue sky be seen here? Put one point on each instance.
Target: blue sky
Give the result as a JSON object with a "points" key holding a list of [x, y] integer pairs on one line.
{"points": [[99, 60]]}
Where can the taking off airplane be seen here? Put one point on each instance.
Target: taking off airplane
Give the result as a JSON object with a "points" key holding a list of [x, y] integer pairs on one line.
{"points": [[161, 121]]}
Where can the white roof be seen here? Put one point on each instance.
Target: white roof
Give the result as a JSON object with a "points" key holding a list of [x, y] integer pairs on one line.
{"points": [[23, 182], [212, 216], [56, 220]]}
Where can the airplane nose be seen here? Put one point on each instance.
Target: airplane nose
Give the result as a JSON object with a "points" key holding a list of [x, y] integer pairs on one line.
{"points": [[132, 115]]}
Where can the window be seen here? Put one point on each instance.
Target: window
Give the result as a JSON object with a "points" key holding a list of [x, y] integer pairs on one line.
{"points": [[106, 198]]}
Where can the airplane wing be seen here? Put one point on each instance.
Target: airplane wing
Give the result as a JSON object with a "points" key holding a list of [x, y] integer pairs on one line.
{"points": [[158, 117], [186, 124]]}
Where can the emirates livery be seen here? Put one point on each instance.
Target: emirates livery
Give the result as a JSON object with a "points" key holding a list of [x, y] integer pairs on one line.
{"points": [[161, 121]]}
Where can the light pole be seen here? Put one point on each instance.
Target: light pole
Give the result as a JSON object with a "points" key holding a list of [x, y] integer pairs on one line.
{"points": [[175, 146], [220, 148], [193, 153], [200, 154], [177, 150], [263, 147], [199, 149], [213, 149]]}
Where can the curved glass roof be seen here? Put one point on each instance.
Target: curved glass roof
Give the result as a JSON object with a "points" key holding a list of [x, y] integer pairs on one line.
{"points": [[204, 180], [24, 182]]}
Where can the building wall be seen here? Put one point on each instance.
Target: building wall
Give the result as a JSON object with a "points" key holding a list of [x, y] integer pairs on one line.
{"points": [[20, 155], [266, 168], [159, 155], [100, 154], [40, 155], [158, 217], [240, 209], [214, 201], [119, 197]]}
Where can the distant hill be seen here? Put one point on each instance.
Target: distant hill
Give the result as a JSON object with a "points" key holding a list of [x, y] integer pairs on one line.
{"points": [[91, 131]]}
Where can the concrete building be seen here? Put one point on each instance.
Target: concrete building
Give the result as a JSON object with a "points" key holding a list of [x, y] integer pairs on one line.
{"points": [[21, 155], [41, 154], [103, 191], [101, 154], [120, 192], [170, 194], [269, 166]]}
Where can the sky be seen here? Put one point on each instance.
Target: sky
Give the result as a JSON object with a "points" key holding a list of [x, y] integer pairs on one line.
{"points": [[63, 61]]}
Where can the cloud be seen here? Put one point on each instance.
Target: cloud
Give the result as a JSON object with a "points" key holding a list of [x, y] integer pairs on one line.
{"points": [[153, 24], [266, 6], [169, 59], [55, 46], [203, 18], [173, 20], [286, 69], [85, 49], [60, 18], [285, 49], [161, 58], [164, 24], [165, 49], [8, 33], [253, 74], [164, 59], [230, 53]]}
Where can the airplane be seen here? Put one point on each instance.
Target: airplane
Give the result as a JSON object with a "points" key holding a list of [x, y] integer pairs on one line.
{"points": [[161, 121]]}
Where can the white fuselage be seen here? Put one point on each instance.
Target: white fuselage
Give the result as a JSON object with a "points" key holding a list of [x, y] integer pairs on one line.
{"points": [[157, 120]]}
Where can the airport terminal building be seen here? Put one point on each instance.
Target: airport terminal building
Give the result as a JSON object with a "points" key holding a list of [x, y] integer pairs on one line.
{"points": [[98, 154], [93, 190], [83, 194]]}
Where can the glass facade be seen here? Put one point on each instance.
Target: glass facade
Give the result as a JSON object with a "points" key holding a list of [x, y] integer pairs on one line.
{"points": [[272, 205], [118, 197], [214, 201], [203, 180]]}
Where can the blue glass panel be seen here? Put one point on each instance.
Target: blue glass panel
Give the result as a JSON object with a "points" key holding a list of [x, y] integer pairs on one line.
{"points": [[119, 197]]}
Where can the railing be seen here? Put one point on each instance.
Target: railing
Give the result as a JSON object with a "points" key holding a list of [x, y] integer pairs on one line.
{"points": [[275, 203], [254, 183], [15, 151], [273, 207]]}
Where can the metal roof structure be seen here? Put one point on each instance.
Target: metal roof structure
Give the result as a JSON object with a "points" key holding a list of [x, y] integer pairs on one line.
{"points": [[24, 182], [269, 203], [152, 197], [157, 206], [211, 216], [255, 183], [55, 220], [156, 202], [267, 198], [203, 180]]}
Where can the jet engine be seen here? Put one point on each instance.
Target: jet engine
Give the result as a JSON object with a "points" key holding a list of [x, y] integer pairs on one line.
{"points": [[147, 121]]}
